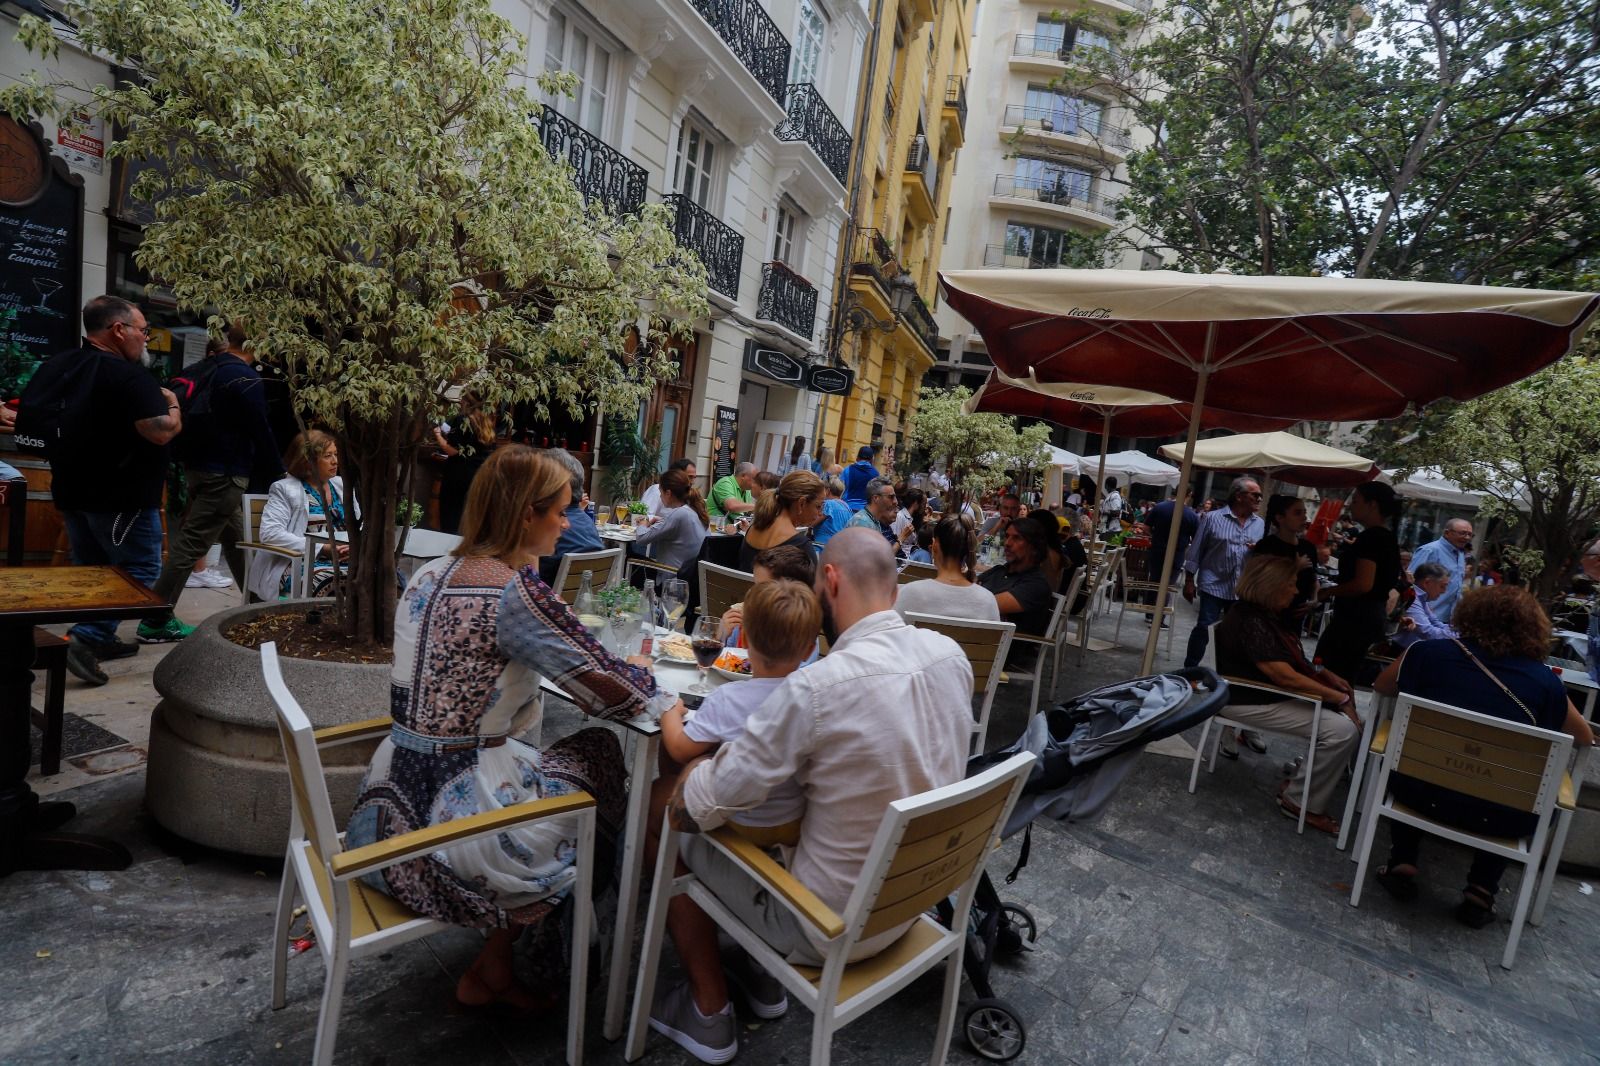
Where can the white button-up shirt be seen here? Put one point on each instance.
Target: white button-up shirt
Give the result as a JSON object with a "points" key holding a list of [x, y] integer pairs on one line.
{"points": [[885, 715]]}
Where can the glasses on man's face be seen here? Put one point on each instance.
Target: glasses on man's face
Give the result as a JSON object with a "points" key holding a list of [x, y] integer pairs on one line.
{"points": [[137, 329], [1253, 495]]}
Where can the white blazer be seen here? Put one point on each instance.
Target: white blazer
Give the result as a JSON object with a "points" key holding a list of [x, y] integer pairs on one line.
{"points": [[284, 521]]}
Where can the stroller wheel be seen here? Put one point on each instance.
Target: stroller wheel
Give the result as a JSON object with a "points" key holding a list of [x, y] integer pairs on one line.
{"points": [[1016, 924], [994, 1030]]}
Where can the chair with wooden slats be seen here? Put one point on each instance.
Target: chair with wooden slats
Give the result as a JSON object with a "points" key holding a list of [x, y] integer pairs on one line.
{"points": [[721, 587], [1211, 736], [1515, 765], [605, 569], [1045, 657], [917, 572], [927, 848], [1139, 596], [254, 504], [351, 919], [985, 645]]}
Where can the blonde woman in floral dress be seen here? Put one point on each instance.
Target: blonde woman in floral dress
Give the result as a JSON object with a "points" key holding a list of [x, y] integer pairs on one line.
{"points": [[474, 633]]}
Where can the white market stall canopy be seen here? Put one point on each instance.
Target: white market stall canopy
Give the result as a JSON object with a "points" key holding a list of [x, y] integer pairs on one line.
{"points": [[1135, 467], [1429, 485]]}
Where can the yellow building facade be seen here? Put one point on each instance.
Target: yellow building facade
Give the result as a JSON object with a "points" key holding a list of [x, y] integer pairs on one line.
{"points": [[909, 128]]}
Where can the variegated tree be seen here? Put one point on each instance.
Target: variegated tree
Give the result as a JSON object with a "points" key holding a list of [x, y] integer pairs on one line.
{"points": [[362, 185]]}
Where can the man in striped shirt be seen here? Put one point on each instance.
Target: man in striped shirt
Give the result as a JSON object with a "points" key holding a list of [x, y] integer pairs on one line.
{"points": [[1216, 556]]}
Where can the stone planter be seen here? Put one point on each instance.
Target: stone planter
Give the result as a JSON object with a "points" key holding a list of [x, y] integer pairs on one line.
{"points": [[216, 774]]}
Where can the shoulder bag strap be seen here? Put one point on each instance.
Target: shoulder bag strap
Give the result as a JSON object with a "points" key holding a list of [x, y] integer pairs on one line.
{"points": [[1490, 675]]}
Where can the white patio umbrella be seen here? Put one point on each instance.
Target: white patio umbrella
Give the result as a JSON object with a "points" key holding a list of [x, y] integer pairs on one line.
{"points": [[1329, 349], [1280, 455], [1132, 466], [1431, 486]]}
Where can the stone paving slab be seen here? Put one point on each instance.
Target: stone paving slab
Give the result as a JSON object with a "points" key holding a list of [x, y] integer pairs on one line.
{"points": [[1178, 929]]}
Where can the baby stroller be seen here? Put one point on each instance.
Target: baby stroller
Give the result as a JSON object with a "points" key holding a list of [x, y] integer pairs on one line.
{"points": [[1085, 747]]}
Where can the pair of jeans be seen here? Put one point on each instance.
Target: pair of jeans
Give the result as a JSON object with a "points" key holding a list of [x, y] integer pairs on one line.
{"points": [[131, 540], [215, 515], [1212, 609]]}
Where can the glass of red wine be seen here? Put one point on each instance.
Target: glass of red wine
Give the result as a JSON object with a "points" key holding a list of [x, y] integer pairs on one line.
{"points": [[707, 646]]}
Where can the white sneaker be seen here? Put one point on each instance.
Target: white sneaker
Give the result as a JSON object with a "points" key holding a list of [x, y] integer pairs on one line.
{"points": [[199, 579], [217, 578]]}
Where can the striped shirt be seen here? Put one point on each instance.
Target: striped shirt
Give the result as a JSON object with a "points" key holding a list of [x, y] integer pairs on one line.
{"points": [[1217, 553]]}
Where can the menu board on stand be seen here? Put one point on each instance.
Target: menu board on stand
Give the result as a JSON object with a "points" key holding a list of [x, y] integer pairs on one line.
{"points": [[724, 447], [41, 243]]}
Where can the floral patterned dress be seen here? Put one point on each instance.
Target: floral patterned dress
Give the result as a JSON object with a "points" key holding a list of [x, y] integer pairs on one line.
{"points": [[472, 639]]}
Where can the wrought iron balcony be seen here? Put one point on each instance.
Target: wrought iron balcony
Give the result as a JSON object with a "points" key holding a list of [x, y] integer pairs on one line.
{"points": [[1055, 189], [787, 299], [920, 319], [1069, 121], [955, 96], [920, 159], [754, 38], [719, 246], [811, 120], [603, 174], [873, 257]]}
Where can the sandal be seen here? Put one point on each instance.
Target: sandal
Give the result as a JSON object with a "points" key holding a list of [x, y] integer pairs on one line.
{"points": [[1402, 887], [1476, 908], [1320, 822]]}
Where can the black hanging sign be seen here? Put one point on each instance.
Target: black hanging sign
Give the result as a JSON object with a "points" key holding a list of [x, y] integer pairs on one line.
{"points": [[41, 242], [771, 363], [832, 380]]}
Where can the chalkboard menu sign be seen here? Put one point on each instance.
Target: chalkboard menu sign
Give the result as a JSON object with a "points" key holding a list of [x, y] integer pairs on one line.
{"points": [[724, 448], [41, 242]]}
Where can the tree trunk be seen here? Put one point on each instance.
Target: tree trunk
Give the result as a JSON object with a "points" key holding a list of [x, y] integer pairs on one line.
{"points": [[372, 451]]}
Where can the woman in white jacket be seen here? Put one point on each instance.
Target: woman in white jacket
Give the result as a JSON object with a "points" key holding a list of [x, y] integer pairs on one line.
{"points": [[313, 491]]}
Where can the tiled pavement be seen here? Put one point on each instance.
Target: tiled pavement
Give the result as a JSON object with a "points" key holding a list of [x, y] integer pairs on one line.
{"points": [[1178, 929]]}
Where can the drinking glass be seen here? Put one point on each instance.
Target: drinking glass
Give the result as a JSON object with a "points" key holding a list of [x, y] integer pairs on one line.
{"points": [[674, 598], [620, 509], [707, 646]]}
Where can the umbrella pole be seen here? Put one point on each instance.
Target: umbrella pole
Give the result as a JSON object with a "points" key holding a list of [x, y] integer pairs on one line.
{"points": [[1176, 526], [1100, 478]]}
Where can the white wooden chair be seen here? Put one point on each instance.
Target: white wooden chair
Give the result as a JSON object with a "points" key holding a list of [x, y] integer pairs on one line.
{"points": [[1045, 645], [928, 848], [253, 504], [917, 572], [1094, 577], [1221, 721], [985, 645], [1073, 588], [1509, 763], [1374, 739], [605, 566], [355, 921], [721, 587]]}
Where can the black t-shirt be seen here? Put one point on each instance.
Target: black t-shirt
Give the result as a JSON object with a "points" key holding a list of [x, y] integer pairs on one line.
{"points": [[1378, 544], [1032, 592], [1249, 635], [120, 471], [1305, 582]]}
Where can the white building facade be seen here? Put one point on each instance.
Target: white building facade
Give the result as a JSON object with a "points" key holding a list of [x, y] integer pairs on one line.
{"points": [[737, 115], [1043, 164]]}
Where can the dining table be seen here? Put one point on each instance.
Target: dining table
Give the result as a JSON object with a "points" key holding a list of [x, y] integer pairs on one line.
{"points": [[642, 754], [50, 595]]}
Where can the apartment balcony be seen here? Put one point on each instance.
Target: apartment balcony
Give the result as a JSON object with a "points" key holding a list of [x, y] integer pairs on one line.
{"points": [[955, 110], [920, 321], [719, 246], [1049, 194], [811, 121], [787, 299], [732, 45], [919, 181], [602, 174], [1050, 55], [996, 255], [1063, 128]]}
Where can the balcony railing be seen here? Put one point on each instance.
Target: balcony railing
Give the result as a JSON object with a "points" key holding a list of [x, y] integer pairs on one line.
{"points": [[719, 246], [811, 120], [955, 95], [920, 159], [1062, 120], [787, 299], [996, 255], [1053, 189], [920, 319], [1047, 46], [871, 257], [754, 38], [603, 174]]}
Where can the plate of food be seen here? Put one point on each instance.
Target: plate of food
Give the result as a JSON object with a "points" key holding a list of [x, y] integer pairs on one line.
{"points": [[733, 664], [676, 648]]}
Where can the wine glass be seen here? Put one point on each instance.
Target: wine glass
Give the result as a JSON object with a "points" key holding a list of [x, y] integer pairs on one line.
{"points": [[620, 509], [707, 646], [674, 598]]}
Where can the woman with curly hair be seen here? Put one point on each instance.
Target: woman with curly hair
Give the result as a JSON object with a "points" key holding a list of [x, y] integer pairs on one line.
{"points": [[1496, 667]]}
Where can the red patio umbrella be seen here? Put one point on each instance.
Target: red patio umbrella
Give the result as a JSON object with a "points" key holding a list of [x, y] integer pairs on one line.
{"points": [[1299, 348]]}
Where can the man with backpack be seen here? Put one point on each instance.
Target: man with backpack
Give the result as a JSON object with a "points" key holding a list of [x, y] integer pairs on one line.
{"points": [[104, 424], [226, 437]]}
